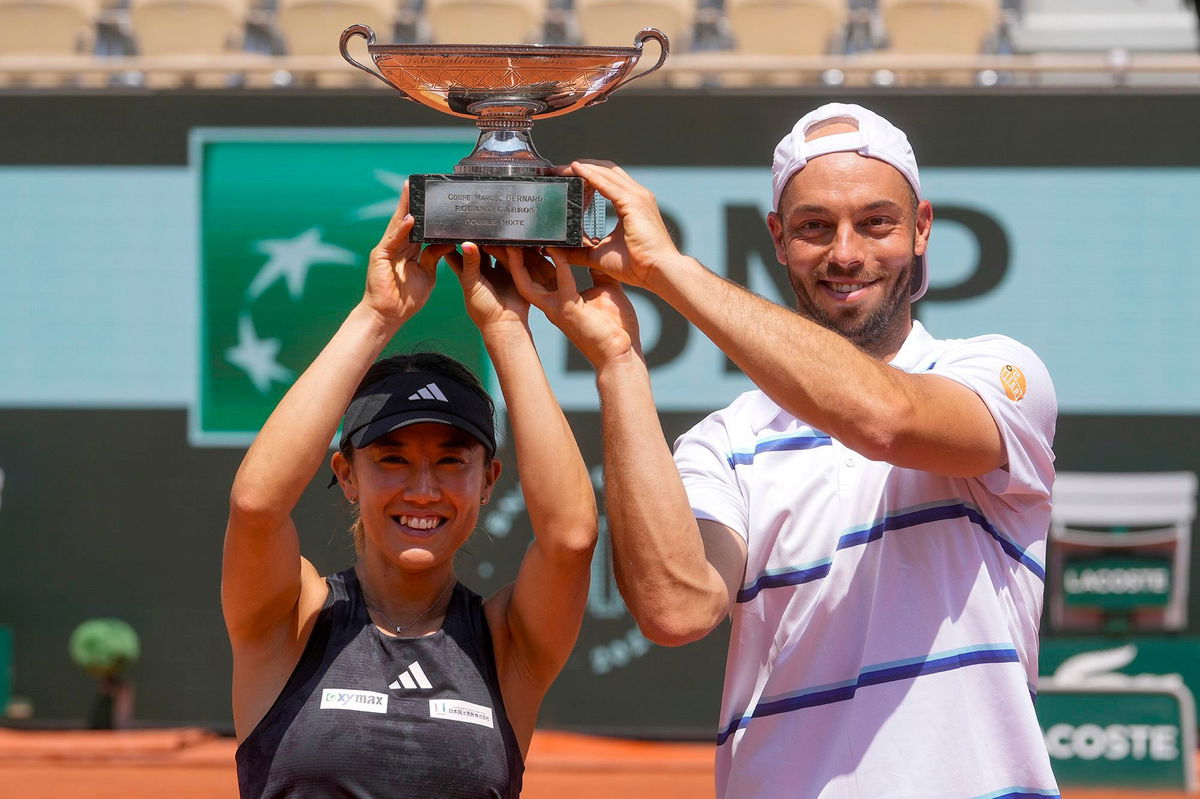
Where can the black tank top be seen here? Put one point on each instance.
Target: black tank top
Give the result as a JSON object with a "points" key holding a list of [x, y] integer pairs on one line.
{"points": [[368, 716]]}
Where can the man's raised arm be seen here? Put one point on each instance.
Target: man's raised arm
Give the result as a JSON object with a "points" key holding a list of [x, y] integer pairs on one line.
{"points": [[678, 576]]}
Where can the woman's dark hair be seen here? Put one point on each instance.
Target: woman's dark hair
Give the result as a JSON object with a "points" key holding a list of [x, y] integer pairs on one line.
{"points": [[434, 362]]}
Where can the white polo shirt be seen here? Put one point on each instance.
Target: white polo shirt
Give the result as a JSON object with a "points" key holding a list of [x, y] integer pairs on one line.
{"points": [[884, 641]]}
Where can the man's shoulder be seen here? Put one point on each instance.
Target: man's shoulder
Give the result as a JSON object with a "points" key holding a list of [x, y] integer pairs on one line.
{"points": [[982, 343], [944, 352], [752, 410], [749, 412]]}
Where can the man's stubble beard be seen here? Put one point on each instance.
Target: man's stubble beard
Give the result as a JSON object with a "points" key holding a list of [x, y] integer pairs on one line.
{"points": [[869, 334]]}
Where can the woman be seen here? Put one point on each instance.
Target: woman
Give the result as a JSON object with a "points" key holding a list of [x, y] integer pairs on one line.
{"points": [[391, 678]]}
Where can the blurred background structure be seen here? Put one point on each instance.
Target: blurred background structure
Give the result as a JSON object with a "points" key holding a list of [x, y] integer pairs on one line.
{"points": [[717, 43], [188, 190]]}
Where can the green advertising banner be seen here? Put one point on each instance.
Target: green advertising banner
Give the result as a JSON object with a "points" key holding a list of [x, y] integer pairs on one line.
{"points": [[287, 219], [1137, 657], [1117, 583], [1129, 736]]}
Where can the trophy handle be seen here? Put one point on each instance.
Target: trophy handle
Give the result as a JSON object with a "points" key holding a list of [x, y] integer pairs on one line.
{"points": [[643, 36], [368, 34]]}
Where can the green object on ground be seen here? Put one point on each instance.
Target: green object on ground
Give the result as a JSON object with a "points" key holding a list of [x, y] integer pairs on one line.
{"points": [[104, 647]]}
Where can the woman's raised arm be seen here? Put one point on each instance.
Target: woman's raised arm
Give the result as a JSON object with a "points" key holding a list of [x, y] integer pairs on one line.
{"points": [[262, 572]]}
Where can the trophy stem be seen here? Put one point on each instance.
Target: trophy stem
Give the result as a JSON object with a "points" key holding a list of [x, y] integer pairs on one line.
{"points": [[505, 145]]}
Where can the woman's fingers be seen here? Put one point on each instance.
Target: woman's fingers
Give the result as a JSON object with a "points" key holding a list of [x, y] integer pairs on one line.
{"points": [[470, 262], [399, 226]]}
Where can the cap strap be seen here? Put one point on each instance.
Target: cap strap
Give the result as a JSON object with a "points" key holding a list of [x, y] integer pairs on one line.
{"points": [[835, 143]]}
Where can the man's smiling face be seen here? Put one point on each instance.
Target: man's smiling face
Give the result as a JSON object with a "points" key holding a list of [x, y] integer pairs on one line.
{"points": [[849, 229]]}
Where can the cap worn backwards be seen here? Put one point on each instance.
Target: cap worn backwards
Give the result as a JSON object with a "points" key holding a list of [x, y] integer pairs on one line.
{"points": [[875, 138], [412, 398]]}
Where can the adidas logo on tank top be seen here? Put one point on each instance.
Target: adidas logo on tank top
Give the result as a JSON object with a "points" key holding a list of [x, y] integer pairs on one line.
{"points": [[413, 678]]}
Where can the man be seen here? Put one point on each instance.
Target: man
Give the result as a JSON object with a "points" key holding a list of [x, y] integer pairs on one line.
{"points": [[873, 517]]}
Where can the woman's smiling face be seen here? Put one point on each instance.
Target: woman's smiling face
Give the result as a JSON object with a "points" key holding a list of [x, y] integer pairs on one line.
{"points": [[419, 490]]}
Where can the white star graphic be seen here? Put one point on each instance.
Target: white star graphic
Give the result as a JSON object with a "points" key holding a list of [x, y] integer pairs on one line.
{"points": [[384, 208], [292, 258], [256, 356]]}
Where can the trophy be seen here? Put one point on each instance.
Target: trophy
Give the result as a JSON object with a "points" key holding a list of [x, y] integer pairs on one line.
{"points": [[504, 192]]}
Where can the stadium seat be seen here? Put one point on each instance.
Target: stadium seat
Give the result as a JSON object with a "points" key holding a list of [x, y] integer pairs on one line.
{"points": [[951, 27], [1102, 25], [187, 27], [605, 23], [47, 27], [785, 27], [312, 27], [488, 22]]}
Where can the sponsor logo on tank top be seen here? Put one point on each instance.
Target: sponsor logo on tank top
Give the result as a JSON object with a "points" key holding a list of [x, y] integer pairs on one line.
{"points": [[458, 710], [413, 678], [347, 699]]}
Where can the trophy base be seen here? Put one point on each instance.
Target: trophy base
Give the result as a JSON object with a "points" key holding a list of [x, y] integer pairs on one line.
{"points": [[538, 210]]}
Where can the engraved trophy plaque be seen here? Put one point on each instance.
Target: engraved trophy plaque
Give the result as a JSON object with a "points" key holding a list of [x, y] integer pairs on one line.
{"points": [[504, 192]]}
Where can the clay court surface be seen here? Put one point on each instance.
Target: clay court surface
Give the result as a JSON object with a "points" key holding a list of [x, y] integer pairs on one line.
{"points": [[197, 764]]}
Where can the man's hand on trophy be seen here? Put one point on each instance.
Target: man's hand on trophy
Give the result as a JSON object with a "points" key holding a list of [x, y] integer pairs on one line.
{"points": [[599, 321], [400, 275], [489, 294], [640, 242]]}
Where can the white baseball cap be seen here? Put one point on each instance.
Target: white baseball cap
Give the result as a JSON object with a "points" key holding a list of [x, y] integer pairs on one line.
{"points": [[875, 138]]}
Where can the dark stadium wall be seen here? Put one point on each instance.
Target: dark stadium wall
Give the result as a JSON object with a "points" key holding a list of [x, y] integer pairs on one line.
{"points": [[112, 512]]}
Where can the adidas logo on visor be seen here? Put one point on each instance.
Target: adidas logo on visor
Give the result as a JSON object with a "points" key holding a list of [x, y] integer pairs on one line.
{"points": [[430, 392]]}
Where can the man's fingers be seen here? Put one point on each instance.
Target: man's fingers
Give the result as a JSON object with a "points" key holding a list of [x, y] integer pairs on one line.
{"points": [[542, 272], [603, 279], [562, 272], [600, 162], [436, 252], [579, 256], [607, 178], [500, 255], [527, 287]]}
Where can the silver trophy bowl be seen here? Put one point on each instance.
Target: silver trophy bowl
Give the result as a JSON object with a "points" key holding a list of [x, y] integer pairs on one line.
{"points": [[504, 88]]}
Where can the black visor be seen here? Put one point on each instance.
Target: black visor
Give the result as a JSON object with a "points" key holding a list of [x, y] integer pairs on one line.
{"points": [[412, 398]]}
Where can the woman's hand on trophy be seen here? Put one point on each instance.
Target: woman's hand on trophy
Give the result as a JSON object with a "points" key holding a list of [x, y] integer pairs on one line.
{"points": [[489, 294], [400, 274], [640, 243], [599, 321]]}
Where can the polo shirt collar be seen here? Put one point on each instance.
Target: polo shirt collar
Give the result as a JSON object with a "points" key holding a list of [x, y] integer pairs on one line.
{"points": [[911, 356], [914, 349]]}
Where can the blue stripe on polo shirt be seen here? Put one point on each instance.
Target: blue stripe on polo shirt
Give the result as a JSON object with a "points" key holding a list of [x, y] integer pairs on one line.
{"points": [[935, 512], [789, 575], [810, 439], [900, 520], [878, 674], [1021, 792]]}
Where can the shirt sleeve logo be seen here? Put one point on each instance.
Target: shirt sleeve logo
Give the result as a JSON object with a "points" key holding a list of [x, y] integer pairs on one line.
{"points": [[1013, 380]]}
